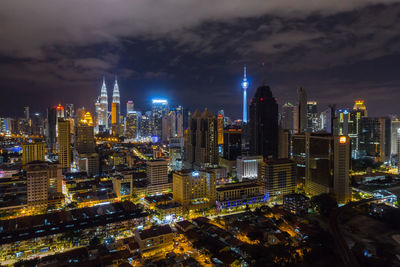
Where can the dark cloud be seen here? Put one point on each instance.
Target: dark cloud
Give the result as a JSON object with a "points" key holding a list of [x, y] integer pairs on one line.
{"points": [[193, 51]]}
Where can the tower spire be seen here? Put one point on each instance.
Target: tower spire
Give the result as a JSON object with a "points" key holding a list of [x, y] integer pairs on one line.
{"points": [[245, 85], [116, 92]]}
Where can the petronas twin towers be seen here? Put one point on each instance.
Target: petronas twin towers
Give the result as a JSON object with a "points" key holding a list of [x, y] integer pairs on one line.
{"points": [[102, 109]]}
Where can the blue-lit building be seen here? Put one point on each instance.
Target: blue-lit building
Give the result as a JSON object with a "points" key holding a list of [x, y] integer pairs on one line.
{"points": [[159, 109], [240, 194]]}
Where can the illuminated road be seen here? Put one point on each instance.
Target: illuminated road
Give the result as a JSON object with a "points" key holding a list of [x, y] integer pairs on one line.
{"points": [[139, 154]]}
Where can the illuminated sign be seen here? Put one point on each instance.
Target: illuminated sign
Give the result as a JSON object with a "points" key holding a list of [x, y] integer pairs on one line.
{"points": [[157, 101], [195, 173], [342, 139], [154, 139]]}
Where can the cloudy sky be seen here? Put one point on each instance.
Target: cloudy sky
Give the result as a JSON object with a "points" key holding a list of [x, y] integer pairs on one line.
{"points": [[192, 52]]}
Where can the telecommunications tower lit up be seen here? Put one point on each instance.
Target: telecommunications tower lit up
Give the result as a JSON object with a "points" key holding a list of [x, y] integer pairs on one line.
{"points": [[245, 85]]}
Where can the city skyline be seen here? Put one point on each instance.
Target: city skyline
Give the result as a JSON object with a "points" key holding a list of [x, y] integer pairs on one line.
{"points": [[179, 61], [199, 133]]}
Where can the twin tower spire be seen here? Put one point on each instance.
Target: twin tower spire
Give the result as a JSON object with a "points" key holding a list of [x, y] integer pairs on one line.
{"points": [[104, 95]]}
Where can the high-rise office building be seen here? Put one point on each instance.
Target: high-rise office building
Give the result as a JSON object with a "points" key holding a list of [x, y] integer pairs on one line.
{"points": [[283, 143], [232, 146], [394, 136], [264, 123], [179, 122], [85, 156], [32, 152], [37, 184], [202, 140], [287, 116], [84, 139], [165, 127], [114, 114], [247, 167], [194, 189], [145, 124], [42, 178], [131, 125], [312, 115], [69, 111], [374, 138], [301, 111], [53, 114], [64, 143], [327, 162], [172, 122], [130, 107], [220, 119], [176, 153], [157, 176], [37, 125], [279, 176], [159, 108], [26, 113]]}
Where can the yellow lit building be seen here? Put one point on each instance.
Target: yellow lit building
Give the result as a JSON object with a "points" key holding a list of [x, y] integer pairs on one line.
{"points": [[32, 152], [64, 143], [114, 113], [86, 119], [279, 176], [220, 122], [194, 189], [360, 105]]}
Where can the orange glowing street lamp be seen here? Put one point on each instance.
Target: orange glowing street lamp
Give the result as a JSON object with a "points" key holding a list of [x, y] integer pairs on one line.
{"points": [[342, 139]]}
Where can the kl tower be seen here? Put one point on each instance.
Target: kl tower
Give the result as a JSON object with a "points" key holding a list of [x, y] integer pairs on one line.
{"points": [[245, 85]]}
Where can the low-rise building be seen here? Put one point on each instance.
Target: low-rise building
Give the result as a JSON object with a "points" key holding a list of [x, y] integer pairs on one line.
{"points": [[296, 203], [154, 238], [238, 194]]}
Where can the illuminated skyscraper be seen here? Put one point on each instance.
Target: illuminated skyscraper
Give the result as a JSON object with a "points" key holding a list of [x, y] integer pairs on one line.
{"points": [[287, 116], [312, 116], [374, 138], [359, 105], [157, 176], [145, 124], [102, 107], [245, 85], [394, 135], [32, 152], [64, 143], [69, 111], [53, 114], [202, 140], [159, 108], [131, 131], [179, 122], [115, 106], [129, 107], [220, 119], [84, 135], [327, 163]]}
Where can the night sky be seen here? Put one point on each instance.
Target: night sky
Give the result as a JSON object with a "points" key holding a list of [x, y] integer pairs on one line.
{"points": [[193, 52]]}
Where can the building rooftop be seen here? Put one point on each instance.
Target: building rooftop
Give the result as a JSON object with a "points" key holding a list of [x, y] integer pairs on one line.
{"points": [[241, 185], [155, 231]]}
